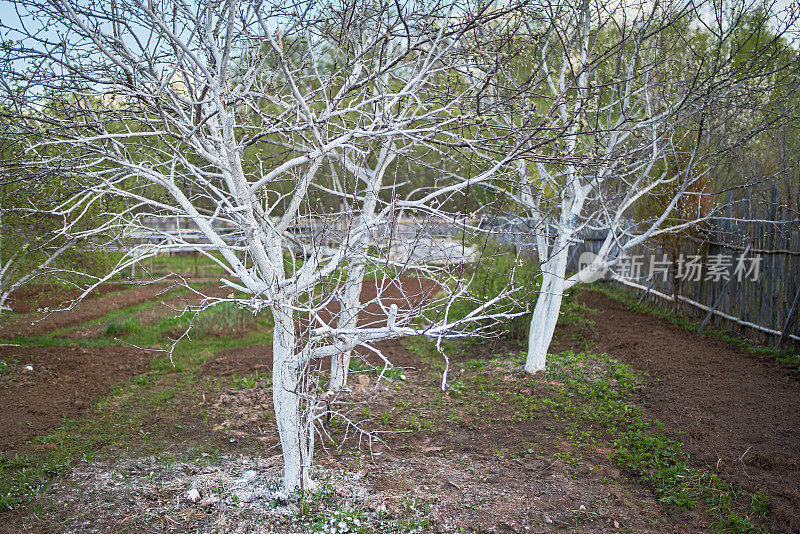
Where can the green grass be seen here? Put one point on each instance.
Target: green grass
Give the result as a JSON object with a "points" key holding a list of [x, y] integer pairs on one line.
{"points": [[225, 315], [251, 381], [358, 366], [6, 364], [186, 263]]}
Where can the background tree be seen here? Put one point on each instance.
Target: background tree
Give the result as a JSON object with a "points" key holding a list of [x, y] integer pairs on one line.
{"points": [[629, 94]]}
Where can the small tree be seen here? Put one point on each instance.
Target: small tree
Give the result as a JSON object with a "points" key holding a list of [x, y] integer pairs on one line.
{"points": [[33, 245]]}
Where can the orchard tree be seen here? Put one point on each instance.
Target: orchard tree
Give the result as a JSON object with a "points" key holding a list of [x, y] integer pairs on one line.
{"points": [[230, 114], [629, 93], [33, 246]]}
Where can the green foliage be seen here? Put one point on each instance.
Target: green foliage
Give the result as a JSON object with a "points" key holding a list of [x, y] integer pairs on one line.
{"points": [[5, 365], [415, 515], [319, 512], [220, 317], [357, 365], [122, 327], [251, 381], [31, 237]]}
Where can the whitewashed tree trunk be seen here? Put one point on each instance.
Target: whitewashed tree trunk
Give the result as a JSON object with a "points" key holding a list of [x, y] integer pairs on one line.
{"points": [[548, 306], [350, 299], [287, 369], [348, 320]]}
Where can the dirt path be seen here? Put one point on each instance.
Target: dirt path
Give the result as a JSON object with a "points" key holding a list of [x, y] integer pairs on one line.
{"points": [[740, 412]]}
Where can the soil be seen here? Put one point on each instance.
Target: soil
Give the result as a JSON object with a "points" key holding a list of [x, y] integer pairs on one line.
{"points": [[166, 307], [737, 413], [35, 324], [407, 293], [474, 467], [36, 296], [242, 361], [64, 382]]}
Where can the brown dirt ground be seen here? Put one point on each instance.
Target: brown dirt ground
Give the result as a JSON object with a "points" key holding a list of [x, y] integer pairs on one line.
{"points": [[34, 324], [405, 292], [475, 468], [34, 296], [167, 306], [738, 413], [64, 382], [241, 360]]}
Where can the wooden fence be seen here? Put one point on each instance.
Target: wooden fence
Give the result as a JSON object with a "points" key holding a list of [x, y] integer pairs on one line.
{"points": [[740, 274], [746, 272]]}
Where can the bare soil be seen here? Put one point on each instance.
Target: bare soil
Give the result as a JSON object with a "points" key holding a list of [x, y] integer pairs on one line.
{"points": [[35, 296], [35, 323], [63, 382], [737, 413], [240, 360], [167, 306], [462, 457]]}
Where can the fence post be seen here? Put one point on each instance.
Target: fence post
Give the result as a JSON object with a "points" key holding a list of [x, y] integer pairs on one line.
{"points": [[722, 291], [789, 321]]}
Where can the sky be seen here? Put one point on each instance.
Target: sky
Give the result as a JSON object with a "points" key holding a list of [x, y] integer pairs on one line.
{"points": [[10, 19]]}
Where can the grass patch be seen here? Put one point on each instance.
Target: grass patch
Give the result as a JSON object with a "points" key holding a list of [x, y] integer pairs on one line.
{"points": [[6, 364]]}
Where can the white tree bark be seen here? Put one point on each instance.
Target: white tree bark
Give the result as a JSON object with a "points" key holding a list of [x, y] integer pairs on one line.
{"points": [[287, 370], [628, 107], [546, 310]]}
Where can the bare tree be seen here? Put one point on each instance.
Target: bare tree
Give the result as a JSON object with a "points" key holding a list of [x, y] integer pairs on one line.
{"points": [[32, 246], [629, 92], [231, 114]]}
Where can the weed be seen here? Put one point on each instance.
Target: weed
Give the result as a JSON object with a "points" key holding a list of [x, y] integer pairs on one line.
{"points": [[6, 365], [320, 513], [122, 327], [415, 515], [251, 381], [359, 366]]}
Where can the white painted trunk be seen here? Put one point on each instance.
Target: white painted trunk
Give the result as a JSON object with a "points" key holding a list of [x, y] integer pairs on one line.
{"points": [[546, 311], [348, 319], [351, 296], [296, 438]]}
